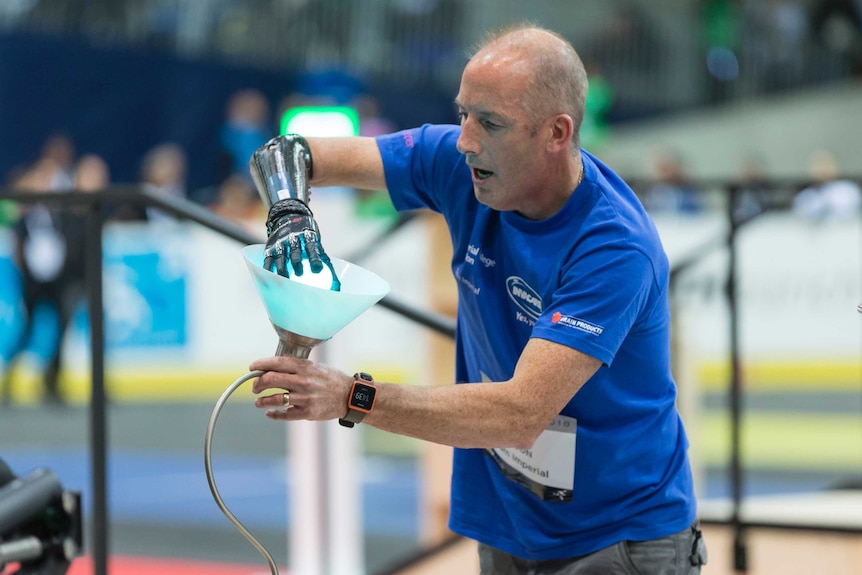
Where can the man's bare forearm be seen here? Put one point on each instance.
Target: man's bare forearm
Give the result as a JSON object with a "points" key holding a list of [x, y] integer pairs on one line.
{"points": [[351, 162]]}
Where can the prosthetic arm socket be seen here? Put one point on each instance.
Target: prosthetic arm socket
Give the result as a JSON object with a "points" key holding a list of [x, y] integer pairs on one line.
{"points": [[282, 169]]}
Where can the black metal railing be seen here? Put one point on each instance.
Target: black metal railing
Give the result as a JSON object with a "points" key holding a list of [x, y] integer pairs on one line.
{"points": [[728, 241], [95, 204]]}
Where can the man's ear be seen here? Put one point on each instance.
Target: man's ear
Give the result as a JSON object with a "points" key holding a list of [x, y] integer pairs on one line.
{"points": [[562, 130]]}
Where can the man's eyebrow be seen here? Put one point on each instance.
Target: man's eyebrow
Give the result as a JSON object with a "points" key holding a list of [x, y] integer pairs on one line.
{"points": [[484, 114], [461, 106]]}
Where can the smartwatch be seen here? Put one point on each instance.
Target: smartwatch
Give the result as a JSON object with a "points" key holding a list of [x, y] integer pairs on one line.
{"points": [[361, 399]]}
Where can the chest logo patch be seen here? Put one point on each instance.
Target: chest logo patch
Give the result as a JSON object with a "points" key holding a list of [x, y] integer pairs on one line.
{"points": [[524, 296]]}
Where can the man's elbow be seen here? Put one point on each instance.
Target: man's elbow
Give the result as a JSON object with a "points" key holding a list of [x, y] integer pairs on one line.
{"points": [[527, 434]]}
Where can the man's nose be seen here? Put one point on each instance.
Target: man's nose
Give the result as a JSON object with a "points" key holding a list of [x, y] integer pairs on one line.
{"points": [[466, 143]]}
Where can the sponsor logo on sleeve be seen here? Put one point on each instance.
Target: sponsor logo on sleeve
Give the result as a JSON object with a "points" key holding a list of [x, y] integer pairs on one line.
{"points": [[576, 323]]}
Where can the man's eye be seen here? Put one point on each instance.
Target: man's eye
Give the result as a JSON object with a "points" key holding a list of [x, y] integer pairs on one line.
{"points": [[490, 125], [462, 116]]}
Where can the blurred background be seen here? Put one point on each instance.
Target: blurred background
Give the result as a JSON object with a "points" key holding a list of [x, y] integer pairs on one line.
{"points": [[736, 121]]}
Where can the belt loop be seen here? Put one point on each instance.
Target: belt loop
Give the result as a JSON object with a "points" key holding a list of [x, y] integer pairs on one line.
{"points": [[698, 547]]}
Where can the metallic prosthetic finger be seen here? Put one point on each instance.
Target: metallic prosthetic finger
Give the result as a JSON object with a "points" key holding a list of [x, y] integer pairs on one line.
{"points": [[313, 249], [294, 243]]}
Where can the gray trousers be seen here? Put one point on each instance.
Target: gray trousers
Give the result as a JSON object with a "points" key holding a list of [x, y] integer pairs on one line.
{"points": [[680, 554]]}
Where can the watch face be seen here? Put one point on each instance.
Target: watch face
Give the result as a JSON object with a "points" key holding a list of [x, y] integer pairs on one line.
{"points": [[363, 397]]}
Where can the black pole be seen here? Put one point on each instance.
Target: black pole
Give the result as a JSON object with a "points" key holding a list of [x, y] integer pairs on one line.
{"points": [[98, 427], [740, 560]]}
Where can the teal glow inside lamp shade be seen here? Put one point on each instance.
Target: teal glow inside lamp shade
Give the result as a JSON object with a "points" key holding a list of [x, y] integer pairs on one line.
{"points": [[314, 312]]}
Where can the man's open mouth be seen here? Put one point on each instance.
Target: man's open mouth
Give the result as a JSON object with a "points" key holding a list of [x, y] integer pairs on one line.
{"points": [[482, 174]]}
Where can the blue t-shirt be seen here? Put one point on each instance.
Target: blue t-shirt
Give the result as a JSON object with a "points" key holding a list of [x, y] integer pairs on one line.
{"points": [[613, 465]]}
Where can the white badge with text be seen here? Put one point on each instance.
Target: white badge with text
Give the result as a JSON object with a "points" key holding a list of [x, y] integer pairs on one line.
{"points": [[548, 467]]}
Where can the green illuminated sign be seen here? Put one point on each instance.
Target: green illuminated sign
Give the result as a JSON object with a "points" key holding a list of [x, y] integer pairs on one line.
{"points": [[320, 121]]}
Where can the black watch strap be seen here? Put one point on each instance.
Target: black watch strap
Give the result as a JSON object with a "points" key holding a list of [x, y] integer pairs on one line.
{"points": [[361, 399]]}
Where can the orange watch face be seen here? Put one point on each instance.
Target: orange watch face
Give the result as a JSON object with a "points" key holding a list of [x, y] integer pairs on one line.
{"points": [[362, 396]]}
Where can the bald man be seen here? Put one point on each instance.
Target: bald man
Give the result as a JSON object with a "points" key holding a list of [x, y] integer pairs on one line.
{"points": [[571, 456]]}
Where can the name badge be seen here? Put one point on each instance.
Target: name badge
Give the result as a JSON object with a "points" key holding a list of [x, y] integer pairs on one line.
{"points": [[547, 469]]}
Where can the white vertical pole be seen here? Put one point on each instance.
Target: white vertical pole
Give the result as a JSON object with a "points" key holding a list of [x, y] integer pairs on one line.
{"points": [[326, 498], [326, 536], [306, 540], [346, 550]]}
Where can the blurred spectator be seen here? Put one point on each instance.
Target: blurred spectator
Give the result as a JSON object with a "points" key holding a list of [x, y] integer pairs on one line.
{"points": [[247, 126], [40, 254], [163, 171], [237, 200], [53, 171], [837, 26], [91, 174], [754, 189], [60, 151], [672, 190], [828, 197]]}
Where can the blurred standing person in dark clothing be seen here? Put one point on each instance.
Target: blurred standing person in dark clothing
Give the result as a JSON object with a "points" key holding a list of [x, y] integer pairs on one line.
{"points": [[51, 262], [40, 255]]}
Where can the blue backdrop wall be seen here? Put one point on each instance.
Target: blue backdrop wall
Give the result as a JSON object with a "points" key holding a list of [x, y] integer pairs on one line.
{"points": [[120, 102]]}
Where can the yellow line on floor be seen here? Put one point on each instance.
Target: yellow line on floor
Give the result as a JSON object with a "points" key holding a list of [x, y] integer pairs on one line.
{"points": [[820, 375], [156, 385], [783, 440]]}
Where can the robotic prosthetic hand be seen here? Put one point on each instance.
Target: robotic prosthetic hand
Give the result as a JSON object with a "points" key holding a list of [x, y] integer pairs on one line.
{"points": [[281, 170], [290, 229]]}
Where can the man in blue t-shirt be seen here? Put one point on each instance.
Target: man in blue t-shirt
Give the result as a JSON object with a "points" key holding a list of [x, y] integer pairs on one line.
{"points": [[570, 455]]}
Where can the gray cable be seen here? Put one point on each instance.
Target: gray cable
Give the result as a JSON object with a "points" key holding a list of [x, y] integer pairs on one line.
{"points": [[211, 480]]}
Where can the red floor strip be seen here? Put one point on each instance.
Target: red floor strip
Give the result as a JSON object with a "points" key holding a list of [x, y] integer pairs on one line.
{"points": [[122, 565]]}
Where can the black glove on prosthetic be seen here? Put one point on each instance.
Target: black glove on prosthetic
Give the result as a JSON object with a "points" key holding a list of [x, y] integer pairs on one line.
{"points": [[293, 235]]}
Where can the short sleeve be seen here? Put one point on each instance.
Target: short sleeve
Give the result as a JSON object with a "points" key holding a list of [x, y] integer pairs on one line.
{"points": [[599, 301]]}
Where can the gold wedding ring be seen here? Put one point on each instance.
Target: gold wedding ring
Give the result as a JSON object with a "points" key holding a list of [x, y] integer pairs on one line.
{"points": [[285, 399]]}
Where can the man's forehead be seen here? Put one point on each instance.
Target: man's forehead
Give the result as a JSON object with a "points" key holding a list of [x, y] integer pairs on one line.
{"points": [[490, 98]]}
